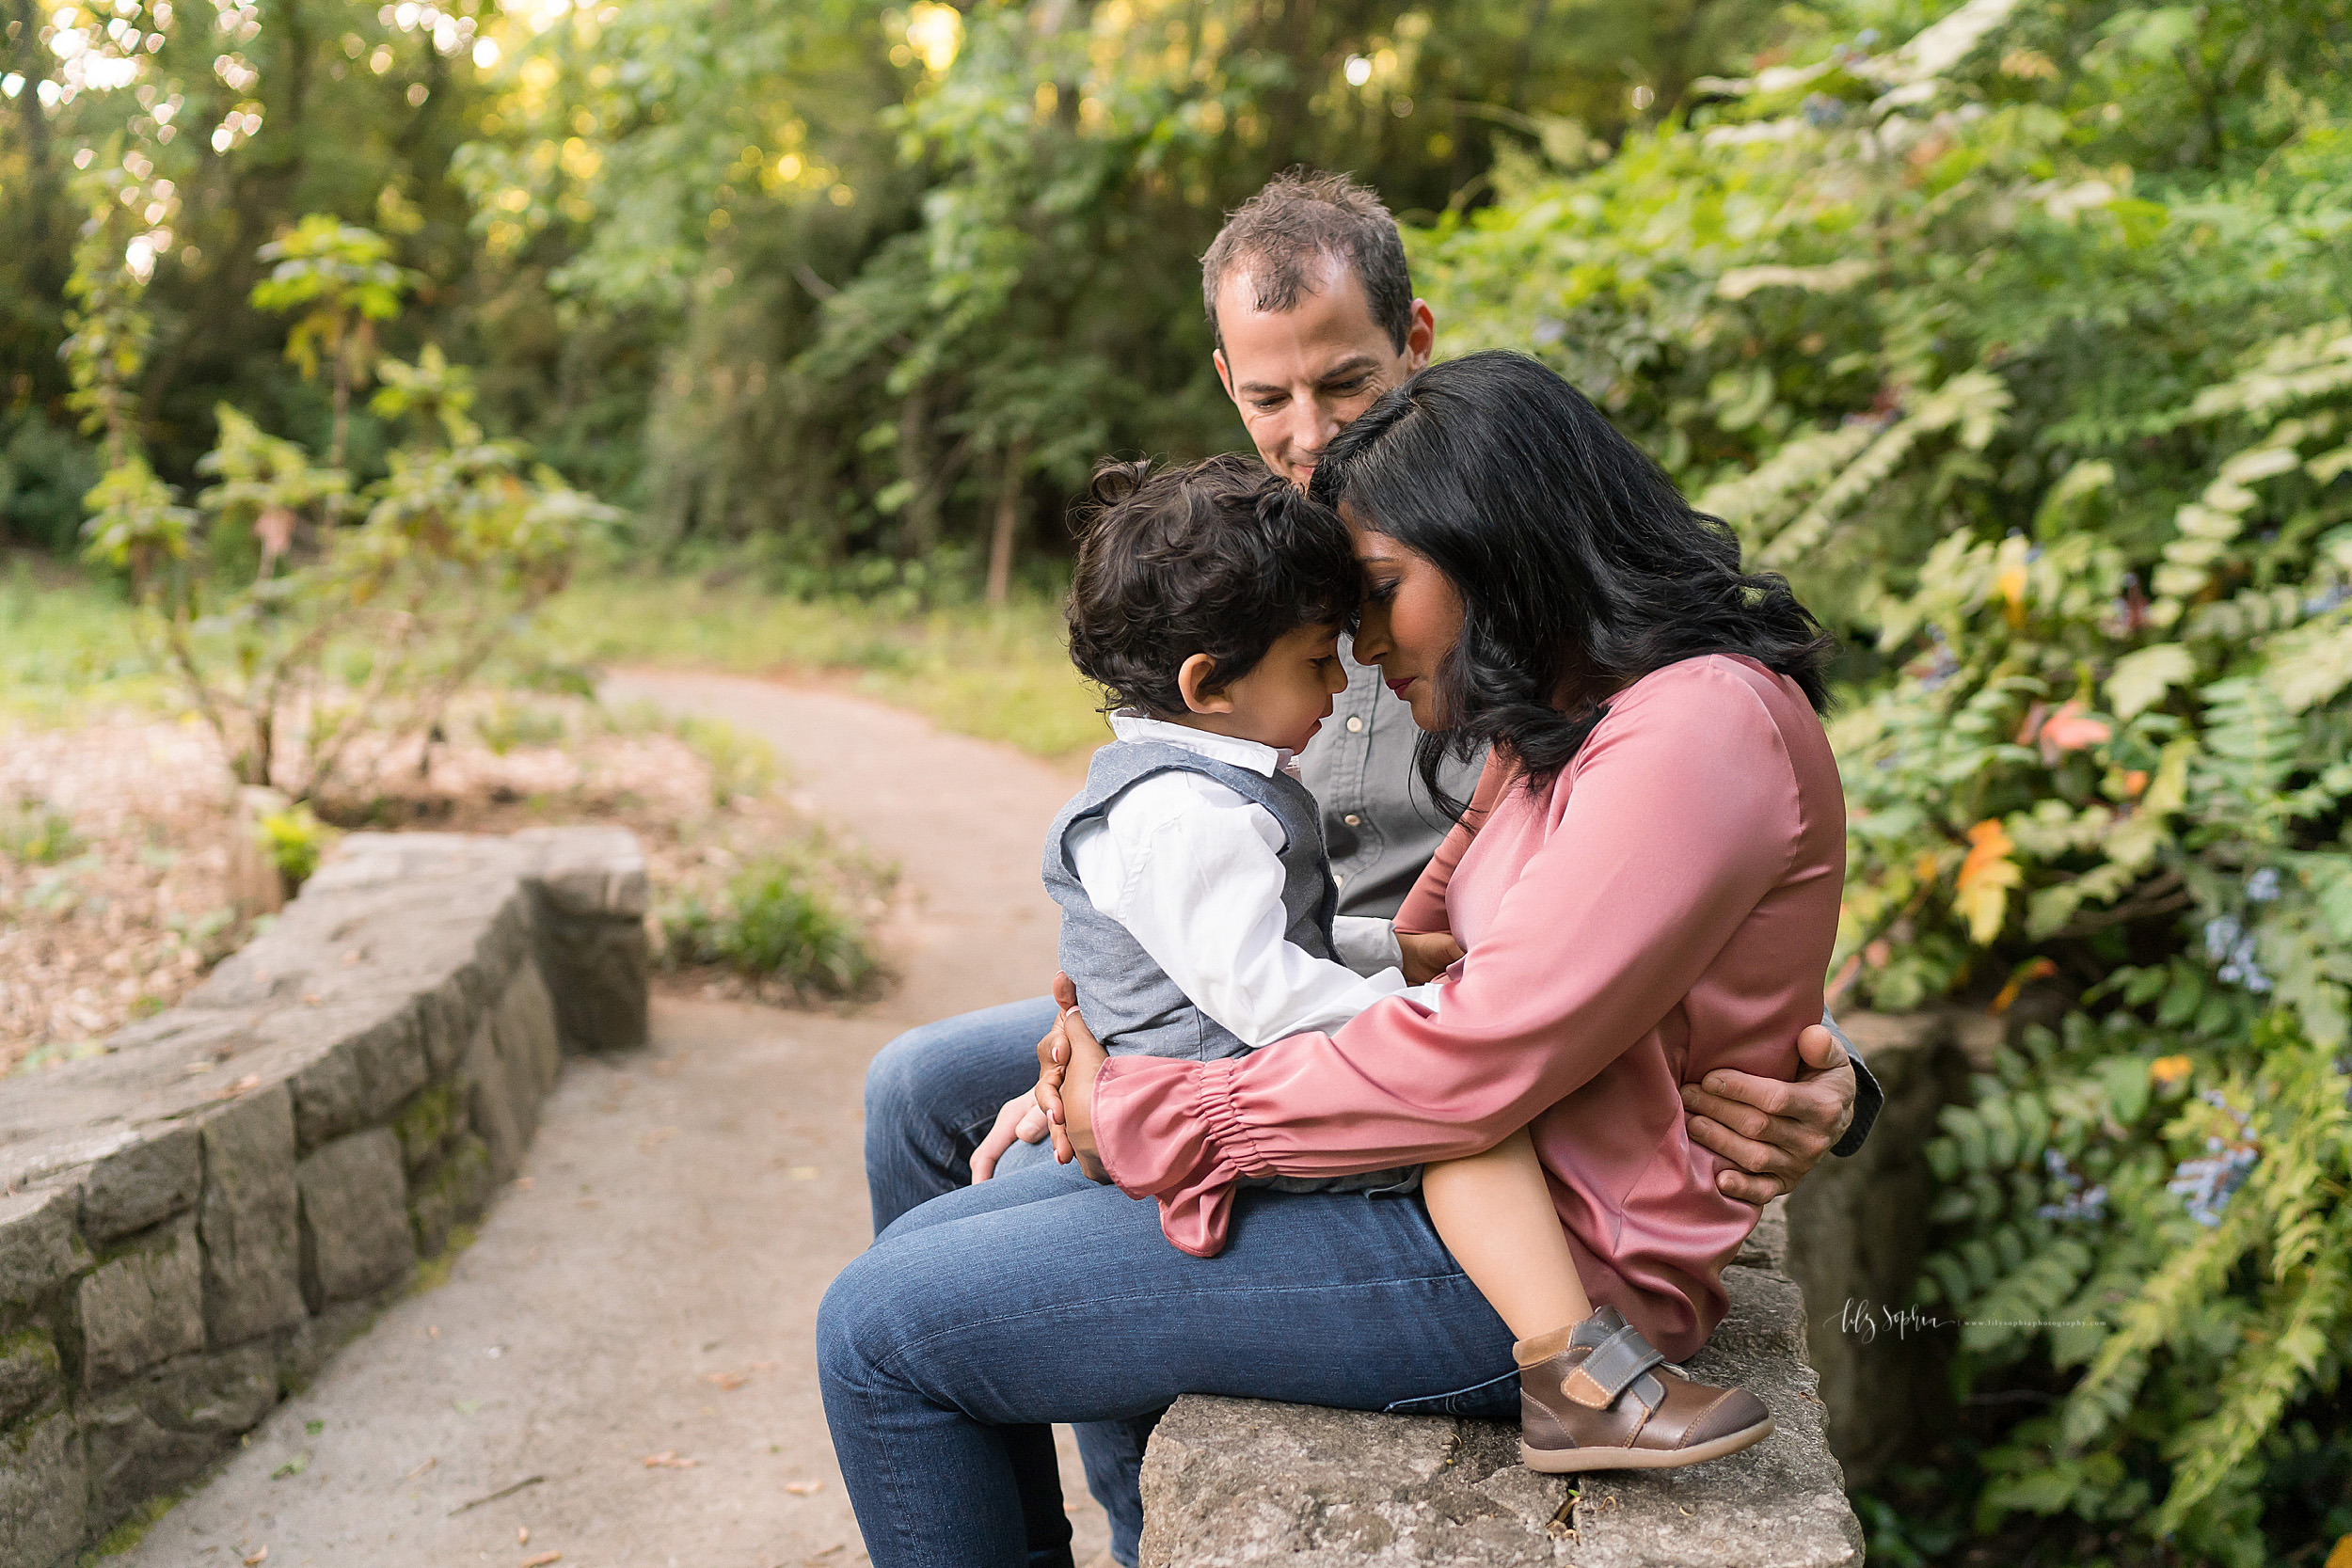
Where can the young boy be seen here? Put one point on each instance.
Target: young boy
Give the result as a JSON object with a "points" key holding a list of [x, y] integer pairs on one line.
{"points": [[1198, 904]]}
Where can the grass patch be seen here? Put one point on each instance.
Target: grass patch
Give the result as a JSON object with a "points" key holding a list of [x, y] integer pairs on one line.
{"points": [[776, 920], [131, 1529], [1003, 675], [66, 643], [39, 835]]}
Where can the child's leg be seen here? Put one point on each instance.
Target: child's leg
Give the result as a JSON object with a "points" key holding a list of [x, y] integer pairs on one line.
{"points": [[1494, 1214]]}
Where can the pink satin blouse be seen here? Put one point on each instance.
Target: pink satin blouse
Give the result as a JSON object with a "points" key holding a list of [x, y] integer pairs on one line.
{"points": [[1664, 907]]}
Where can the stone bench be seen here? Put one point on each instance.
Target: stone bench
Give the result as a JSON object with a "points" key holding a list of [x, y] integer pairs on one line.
{"points": [[1236, 1481], [193, 1221]]}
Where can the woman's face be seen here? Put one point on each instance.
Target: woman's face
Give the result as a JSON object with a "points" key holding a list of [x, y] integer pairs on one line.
{"points": [[1412, 617]]}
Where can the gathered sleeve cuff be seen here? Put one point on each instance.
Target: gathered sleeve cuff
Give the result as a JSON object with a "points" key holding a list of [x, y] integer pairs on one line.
{"points": [[1184, 1144]]}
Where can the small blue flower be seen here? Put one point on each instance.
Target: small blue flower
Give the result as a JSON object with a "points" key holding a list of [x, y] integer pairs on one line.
{"points": [[2262, 886], [2207, 1185], [2223, 933], [1821, 111], [2073, 1202]]}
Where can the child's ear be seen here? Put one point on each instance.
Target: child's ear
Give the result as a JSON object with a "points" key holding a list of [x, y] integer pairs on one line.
{"points": [[1193, 680]]}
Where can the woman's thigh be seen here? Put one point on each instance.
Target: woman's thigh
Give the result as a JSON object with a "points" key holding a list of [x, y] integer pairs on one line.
{"points": [[1052, 1299]]}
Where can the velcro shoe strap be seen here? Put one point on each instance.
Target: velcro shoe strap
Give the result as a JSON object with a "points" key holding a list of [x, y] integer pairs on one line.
{"points": [[1615, 1362]]}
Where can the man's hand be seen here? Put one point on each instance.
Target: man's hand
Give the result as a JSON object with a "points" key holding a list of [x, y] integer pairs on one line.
{"points": [[1068, 1060], [1428, 955], [1022, 1119], [1773, 1131]]}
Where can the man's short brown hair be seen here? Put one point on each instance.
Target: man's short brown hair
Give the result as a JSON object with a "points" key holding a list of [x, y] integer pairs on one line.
{"points": [[1299, 218]]}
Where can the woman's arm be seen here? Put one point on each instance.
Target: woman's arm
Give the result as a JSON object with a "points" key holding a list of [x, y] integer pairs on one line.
{"points": [[1682, 816]]}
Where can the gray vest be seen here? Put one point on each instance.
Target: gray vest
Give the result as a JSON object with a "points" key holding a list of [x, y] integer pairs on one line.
{"points": [[1129, 1002]]}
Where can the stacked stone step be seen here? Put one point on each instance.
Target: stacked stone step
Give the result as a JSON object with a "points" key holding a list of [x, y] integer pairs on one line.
{"points": [[191, 1221]]}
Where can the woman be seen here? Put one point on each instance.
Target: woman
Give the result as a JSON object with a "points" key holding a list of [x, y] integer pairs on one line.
{"points": [[1651, 892]]}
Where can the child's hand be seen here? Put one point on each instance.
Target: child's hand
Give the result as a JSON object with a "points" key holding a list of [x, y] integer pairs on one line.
{"points": [[1022, 1118], [1428, 954]]}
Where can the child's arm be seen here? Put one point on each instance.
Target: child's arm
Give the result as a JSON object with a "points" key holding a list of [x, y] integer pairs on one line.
{"points": [[1366, 944], [1194, 872]]}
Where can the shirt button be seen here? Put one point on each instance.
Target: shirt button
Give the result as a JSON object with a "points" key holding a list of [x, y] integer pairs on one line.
{"points": [[1355, 723], [1338, 880], [1352, 821]]}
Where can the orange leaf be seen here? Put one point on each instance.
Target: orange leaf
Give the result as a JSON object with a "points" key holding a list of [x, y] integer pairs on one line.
{"points": [[804, 1488], [2012, 583], [2033, 968], [2165, 1072], [1985, 878], [2070, 730]]}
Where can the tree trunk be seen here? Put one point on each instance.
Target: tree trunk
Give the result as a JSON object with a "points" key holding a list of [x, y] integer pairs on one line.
{"points": [[343, 398], [31, 57], [1009, 500], [915, 466]]}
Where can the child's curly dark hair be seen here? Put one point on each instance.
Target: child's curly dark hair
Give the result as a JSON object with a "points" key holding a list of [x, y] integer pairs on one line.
{"points": [[1218, 558]]}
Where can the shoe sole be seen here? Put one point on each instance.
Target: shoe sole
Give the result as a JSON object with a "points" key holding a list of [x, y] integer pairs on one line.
{"points": [[1557, 1462]]}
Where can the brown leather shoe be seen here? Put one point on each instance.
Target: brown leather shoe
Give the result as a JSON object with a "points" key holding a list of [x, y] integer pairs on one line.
{"points": [[1599, 1397]]}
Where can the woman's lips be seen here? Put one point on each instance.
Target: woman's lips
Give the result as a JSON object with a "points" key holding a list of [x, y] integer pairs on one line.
{"points": [[1397, 688]]}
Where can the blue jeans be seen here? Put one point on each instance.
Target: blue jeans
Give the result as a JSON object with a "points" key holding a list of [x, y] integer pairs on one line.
{"points": [[932, 1094], [975, 1322]]}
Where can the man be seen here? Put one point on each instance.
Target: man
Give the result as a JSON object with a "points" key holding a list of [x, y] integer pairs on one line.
{"points": [[1314, 317]]}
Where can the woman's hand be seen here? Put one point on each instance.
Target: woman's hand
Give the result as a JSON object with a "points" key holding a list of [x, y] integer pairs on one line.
{"points": [[1068, 1061], [1773, 1131], [1021, 1120], [1427, 954]]}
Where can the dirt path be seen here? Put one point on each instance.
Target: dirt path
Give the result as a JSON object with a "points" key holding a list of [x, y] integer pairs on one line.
{"points": [[652, 1292]]}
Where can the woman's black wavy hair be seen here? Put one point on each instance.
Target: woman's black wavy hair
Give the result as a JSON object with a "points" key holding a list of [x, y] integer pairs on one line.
{"points": [[1579, 567], [1218, 557]]}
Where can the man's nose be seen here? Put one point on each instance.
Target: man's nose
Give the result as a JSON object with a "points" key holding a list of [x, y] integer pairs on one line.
{"points": [[1310, 430]]}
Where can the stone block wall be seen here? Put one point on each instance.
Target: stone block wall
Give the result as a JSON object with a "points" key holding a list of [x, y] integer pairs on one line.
{"points": [[1857, 1234], [191, 1222], [1228, 1482]]}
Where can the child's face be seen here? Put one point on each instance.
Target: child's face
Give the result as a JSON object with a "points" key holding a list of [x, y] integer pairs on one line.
{"points": [[1281, 702]]}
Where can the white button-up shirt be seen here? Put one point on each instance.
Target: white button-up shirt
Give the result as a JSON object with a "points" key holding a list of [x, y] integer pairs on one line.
{"points": [[1194, 872]]}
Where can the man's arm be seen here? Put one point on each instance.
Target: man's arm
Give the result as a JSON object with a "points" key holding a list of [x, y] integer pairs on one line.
{"points": [[1773, 1131]]}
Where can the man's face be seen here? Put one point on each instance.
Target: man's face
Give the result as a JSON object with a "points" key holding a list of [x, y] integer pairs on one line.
{"points": [[1300, 376]]}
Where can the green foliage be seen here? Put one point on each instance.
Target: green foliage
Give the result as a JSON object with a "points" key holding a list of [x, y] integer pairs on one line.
{"points": [[44, 473], [2023, 348], [912, 269], [741, 764], [339, 280], [775, 922], [294, 840], [345, 630], [37, 835]]}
